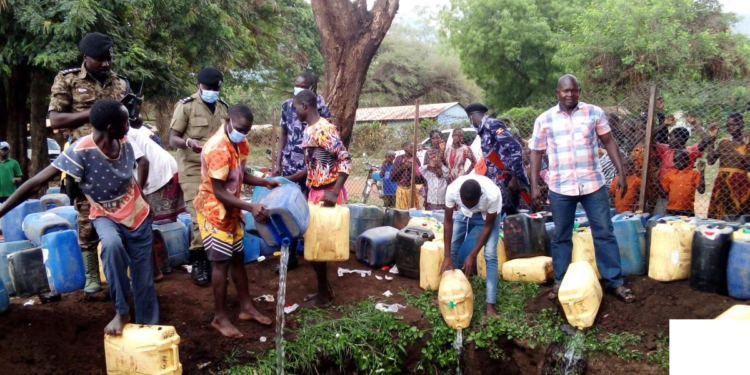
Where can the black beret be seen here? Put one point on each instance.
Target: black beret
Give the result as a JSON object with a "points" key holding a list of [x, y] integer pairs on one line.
{"points": [[210, 77], [95, 45], [476, 107]]}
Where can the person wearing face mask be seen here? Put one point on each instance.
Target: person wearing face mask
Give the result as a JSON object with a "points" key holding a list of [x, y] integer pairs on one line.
{"points": [[102, 163], [290, 160], [196, 118], [219, 210], [74, 92]]}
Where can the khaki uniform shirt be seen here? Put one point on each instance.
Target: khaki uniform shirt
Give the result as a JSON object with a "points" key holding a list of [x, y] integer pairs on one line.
{"points": [[75, 90], [194, 120]]}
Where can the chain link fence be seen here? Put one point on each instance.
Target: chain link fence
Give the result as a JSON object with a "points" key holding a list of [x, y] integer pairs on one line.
{"points": [[703, 119]]}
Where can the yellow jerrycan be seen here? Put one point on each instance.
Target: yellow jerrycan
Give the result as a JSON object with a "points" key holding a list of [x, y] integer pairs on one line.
{"points": [[741, 234], [736, 312], [101, 264], [583, 248], [671, 247], [431, 257], [143, 349], [327, 237], [501, 259], [430, 223], [580, 294], [536, 270], [456, 299]]}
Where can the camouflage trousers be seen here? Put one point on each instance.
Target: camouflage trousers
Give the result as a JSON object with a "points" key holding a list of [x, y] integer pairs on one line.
{"points": [[88, 239]]}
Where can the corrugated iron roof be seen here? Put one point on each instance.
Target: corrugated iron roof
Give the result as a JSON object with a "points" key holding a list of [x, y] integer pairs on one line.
{"points": [[405, 112]]}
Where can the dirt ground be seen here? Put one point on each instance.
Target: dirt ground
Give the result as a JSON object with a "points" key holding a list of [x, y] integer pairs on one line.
{"points": [[66, 337]]}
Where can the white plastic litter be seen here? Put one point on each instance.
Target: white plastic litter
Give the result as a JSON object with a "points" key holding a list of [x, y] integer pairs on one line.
{"points": [[290, 309], [261, 258], [387, 293], [266, 298], [363, 273], [378, 277], [188, 268], [388, 278], [389, 308], [394, 270], [263, 339], [29, 303]]}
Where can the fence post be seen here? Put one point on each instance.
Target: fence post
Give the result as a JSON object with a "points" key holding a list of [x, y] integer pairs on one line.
{"points": [[274, 141], [413, 194], [647, 148]]}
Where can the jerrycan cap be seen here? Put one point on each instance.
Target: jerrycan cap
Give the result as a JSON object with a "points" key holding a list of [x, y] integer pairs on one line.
{"points": [[745, 230], [451, 304]]}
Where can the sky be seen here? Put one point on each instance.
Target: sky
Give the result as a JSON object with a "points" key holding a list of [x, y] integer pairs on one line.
{"points": [[736, 6]]}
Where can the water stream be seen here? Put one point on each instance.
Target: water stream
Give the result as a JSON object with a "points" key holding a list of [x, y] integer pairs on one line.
{"points": [[280, 302], [573, 353], [458, 345]]}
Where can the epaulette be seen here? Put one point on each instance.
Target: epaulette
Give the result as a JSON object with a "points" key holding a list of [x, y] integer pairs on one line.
{"points": [[225, 103], [71, 70], [127, 81], [187, 99]]}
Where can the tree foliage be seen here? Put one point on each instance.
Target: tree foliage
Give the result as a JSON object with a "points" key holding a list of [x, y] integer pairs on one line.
{"points": [[408, 66], [516, 49]]}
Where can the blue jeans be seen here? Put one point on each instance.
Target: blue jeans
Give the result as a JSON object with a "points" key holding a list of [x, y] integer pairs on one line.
{"points": [[596, 205], [121, 249], [463, 228]]}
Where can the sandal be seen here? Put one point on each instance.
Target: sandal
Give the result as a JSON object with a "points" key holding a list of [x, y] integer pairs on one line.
{"points": [[623, 294], [552, 295]]}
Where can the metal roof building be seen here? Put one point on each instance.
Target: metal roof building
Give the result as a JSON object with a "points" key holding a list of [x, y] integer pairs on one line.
{"points": [[442, 113]]}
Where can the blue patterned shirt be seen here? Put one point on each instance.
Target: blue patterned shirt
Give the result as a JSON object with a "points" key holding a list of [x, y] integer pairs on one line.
{"points": [[293, 158], [495, 136]]}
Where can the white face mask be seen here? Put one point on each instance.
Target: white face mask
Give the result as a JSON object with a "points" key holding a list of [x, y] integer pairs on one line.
{"points": [[298, 90]]}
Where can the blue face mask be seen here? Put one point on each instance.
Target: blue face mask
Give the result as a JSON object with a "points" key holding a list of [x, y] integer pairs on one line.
{"points": [[209, 96], [234, 135]]}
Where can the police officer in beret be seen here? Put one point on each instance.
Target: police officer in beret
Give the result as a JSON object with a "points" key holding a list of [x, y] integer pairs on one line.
{"points": [[196, 118], [73, 94], [495, 136]]}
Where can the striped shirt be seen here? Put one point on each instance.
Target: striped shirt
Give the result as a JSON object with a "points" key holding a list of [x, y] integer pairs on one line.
{"points": [[571, 141]]}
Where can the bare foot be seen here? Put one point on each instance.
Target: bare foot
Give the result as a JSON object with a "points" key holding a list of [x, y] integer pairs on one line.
{"points": [[317, 300], [226, 328], [315, 295], [114, 327], [490, 312], [251, 313]]}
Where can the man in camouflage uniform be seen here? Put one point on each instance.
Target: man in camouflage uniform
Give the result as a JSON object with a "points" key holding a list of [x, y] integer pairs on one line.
{"points": [[496, 136], [73, 94], [196, 118]]}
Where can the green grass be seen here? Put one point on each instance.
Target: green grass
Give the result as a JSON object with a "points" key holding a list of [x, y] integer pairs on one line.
{"points": [[373, 342], [362, 337]]}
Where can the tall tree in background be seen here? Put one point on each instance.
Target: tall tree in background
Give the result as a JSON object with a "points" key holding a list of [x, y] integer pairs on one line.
{"points": [[516, 49], [162, 41], [350, 36], [681, 39], [409, 65]]}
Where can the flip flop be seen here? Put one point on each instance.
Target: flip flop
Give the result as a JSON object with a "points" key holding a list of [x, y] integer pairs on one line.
{"points": [[623, 294], [552, 295]]}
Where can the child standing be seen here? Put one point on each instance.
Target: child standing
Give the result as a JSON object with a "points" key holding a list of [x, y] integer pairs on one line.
{"points": [[102, 165], [681, 184], [389, 185], [328, 165], [402, 174], [219, 211], [435, 174], [627, 202]]}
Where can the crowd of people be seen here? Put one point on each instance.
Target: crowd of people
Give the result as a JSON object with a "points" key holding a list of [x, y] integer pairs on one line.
{"points": [[121, 181]]}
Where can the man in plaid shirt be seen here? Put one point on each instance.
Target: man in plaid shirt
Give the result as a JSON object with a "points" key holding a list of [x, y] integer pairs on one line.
{"points": [[570, 132]]}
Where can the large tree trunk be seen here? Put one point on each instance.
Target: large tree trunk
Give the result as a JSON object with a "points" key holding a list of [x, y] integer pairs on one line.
{"points": [[162, 108], [18, 114], [38, 94], [350, 35]]}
